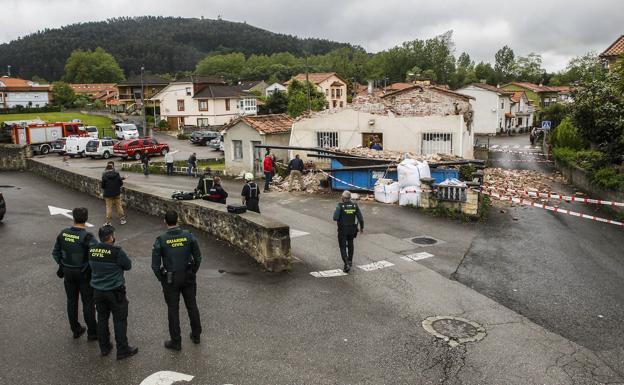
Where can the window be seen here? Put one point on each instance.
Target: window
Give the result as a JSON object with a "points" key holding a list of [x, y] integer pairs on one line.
{"points": [[327, 139], [188, 91], [180, 104], [338, 92], [326, 92], [202, 105], [238, 149], [334, 103], [227, 104], [519, 121], [202, 122], [333, 93], [341, 104], [502, 104], [436, 143]]}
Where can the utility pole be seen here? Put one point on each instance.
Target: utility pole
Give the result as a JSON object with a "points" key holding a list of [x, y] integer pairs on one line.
{"points": [[9, 70], [308, 85], [145, 131]]}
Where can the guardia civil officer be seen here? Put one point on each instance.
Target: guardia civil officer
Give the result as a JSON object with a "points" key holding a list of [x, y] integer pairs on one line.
{"points": [[251, 194], [348, 216], [71, 253], [175, 260], [108, 263]]}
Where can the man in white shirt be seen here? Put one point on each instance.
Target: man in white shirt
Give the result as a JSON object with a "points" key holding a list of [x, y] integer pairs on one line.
{"points": [[169, 161]]}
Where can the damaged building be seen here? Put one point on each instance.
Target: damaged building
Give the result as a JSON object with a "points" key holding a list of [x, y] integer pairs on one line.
{"points": [[420, 119]]}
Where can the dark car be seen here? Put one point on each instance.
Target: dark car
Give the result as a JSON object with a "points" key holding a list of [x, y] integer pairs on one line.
{"points": [[203, 137], [2, 207]]}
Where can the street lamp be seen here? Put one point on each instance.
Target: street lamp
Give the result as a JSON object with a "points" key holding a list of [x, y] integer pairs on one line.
{"points": [[143, 105]]}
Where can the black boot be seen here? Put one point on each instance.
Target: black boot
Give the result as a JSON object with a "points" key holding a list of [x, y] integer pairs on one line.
{"points": [[173, 345], [105, 351], [196, 340], [127, 352], [79, 332]]}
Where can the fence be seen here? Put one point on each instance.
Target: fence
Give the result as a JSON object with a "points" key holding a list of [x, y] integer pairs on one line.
{"points": [[450, 193]]}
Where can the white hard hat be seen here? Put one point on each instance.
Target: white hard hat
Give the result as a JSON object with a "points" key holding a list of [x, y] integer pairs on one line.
{"points": [[248, 176]]}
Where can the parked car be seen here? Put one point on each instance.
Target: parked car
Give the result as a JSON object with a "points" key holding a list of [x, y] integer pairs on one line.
{"points": [[93, 131], [2, 206], [216, 142], [125, 131], [134, 147], [203, 137], [76, 145], [58, 146], [100, 148]]}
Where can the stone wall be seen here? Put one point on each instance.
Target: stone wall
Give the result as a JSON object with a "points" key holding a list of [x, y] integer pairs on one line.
{"points": [[13, 157], [265, 240], [579, 178], [469, 207]]}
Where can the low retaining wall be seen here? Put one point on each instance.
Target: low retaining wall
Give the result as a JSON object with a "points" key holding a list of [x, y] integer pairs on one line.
{"points": [[13, 157], [578, 177], [265, 240]]}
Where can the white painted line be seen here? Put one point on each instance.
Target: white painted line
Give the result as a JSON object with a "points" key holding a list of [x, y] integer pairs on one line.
{"points": [[416, 257], [494, 146], [166, 378], [505, 146], [328, 273], [376, 265], [297, 233], [64, 212], [516, 146], [528, 146]]}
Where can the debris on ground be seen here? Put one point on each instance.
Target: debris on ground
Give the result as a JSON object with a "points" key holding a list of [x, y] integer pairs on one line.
{"points": [[311, 183], [394, 156], [524, 180]]}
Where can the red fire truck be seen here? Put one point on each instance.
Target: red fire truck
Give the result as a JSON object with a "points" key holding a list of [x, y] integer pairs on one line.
{"points": [[41, 136]]}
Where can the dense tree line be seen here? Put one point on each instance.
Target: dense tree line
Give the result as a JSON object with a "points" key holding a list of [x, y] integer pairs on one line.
{"points": [[161, 44]]}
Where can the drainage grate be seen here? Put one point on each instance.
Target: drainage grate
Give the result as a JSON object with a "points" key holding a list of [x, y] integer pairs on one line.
{"points": [[424, 241], [454, 330]]}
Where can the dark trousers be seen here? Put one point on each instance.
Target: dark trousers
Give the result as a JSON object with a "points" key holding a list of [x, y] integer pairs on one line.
{"points": [[146, 169], [77, 284], [183, 283], [112, 302], [345, 243], [253, 204], [268, 176], [169, 168]]}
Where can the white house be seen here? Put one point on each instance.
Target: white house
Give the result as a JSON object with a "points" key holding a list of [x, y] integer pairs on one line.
{"points": [[19, 92], [492, 108], [275, 87], [242, 134], [333, 86], [523, 113], [203, 102], [420, 120]]}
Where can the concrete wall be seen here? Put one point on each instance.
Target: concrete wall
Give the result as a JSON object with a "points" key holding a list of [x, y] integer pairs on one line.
{"points": [[13, 157], [265, 240], [240, 131], [579, 178], [399, 133]]}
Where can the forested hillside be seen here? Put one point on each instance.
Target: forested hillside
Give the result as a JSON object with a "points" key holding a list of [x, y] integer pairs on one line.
{"points": [[162, 44]]}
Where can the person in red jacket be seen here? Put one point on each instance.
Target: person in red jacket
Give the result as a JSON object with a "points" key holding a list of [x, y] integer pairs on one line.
{"points": [[268, 171]]}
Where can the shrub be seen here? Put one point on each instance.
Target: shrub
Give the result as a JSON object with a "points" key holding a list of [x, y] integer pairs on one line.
{"points": [[163, 124], [587, 159], [608, 178], [466, 171], [182, 136], [564, 155], [566, 135]]}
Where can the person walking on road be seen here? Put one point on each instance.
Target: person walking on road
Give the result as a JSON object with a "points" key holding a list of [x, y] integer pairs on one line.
{"points": [[175, 260], [348, 216], [295, 166], [251, 194], [111, 190], [71, 254], [145, 161], [108, 263], [192, 164], [268, 170], [169, 161]]}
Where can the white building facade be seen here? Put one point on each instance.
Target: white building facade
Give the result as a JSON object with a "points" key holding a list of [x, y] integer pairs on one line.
{"points": [[491, 106], [16, 92]]}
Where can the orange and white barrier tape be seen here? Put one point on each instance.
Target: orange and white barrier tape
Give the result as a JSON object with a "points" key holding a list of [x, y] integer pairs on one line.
{"points": [[551, 208], [566, 198], [342, 181], [518, 152], [522, 160]]}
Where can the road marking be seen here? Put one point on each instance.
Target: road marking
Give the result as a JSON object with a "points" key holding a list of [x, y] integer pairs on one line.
{"points": [[376, 265], [416, 257], [528, 146], [65, 213], [516, 146], [328, 273], [297, 233], [494, 146], [505, 146], [166, 378]]}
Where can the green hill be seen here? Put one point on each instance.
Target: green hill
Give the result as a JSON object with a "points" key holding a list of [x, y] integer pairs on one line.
{"points": [[162, 44]]}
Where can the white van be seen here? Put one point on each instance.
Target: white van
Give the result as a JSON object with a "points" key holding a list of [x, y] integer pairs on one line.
{"points": [[76, 145], [125, 131], [93, 131]]}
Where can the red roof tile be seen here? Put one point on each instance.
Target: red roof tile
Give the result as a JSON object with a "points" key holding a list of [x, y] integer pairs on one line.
{"points": [[267, 124], [615, 49], [492, 88], [21, 84], [315, 77], [517, 95]]}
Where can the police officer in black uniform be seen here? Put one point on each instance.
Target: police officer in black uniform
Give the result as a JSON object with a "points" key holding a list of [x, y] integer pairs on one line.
{"points": [[175, 260], [251, 194], [108, 263], [346, 214], [71, 253]]}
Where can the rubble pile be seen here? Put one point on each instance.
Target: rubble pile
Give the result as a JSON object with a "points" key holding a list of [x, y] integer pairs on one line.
{"points": [[311, 183], [522, 180], [394, 156]]}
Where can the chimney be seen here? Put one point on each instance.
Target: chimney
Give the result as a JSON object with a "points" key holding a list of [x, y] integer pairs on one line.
{"points": [[370, 87]]}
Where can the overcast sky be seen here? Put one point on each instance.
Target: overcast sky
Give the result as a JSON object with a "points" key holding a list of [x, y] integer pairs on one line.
{"points": [[557, 29]]}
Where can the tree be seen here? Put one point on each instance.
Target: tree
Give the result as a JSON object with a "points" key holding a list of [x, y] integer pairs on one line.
{"points": [[484, 71], [92, 67], [554, 113], [505, 64], [298, 98], [529, 68], [39, 80], [230, 66], [277, 103], [63, 95]]}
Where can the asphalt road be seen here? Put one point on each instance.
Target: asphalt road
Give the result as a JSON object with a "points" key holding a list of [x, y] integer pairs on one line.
{"points": [[562, 272]]}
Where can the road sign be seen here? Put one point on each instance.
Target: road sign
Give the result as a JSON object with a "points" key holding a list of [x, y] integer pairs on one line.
{"points": [[546, 124], [65, 213]]}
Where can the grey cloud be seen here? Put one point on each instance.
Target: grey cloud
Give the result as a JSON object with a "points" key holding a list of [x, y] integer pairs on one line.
{"points": [[558, 29]]}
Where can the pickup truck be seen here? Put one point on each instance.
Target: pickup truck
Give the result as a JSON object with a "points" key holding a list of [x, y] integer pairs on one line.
{"points": [[133, 148]]}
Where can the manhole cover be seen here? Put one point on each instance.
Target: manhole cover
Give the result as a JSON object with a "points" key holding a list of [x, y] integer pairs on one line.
{"points": [[424, 241], [454, 330]]}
